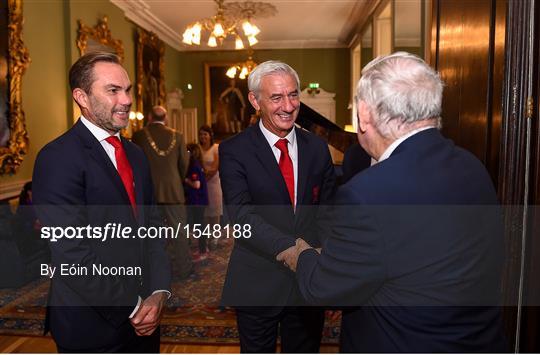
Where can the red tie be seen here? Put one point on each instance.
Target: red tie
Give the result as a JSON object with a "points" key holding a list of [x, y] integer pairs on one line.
{"points": [[124, 169], [286, 167]]}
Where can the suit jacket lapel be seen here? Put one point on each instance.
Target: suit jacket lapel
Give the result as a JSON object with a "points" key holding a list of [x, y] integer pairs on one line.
{"points": [[268, 161], [96, 151], [303, 168]]}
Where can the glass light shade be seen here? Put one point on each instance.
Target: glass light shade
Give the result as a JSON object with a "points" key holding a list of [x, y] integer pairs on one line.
{"points": [[187, 36], [212, 41], [196, 38], [218, 30], [238, 43], [255, 30], [246, 26], [197, 27], [132, 115], [252, 40], [243, 73], [139, 115], [196, 33], [231, 72]]}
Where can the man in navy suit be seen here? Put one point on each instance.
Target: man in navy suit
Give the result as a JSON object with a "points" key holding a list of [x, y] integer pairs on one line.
{"points": [[91, 176], [273, 178], [416, 247]]}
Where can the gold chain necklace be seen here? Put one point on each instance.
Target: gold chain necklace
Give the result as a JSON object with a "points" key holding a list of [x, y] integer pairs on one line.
{"points": [[161, 153]]}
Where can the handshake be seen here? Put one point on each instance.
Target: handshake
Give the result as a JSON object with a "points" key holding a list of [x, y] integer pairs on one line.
{"points": [[289, 257]]}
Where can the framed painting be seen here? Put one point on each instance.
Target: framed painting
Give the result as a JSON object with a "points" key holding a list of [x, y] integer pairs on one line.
{"points": [[98, 39], [14, 59], [150, 71], [228, 110]]}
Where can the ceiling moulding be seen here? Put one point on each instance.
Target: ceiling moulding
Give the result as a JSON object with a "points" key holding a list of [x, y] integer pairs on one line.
{"points": [[139, 12], [300, 43], [289, 44], [357, 20]]}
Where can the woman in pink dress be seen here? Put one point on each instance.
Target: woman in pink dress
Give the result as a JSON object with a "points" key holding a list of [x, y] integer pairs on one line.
{"points": [[210, 162]]}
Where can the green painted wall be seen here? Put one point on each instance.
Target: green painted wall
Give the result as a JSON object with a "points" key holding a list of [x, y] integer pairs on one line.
{"points": [[44, 87], [329, 67], [173, 73], [89, 12], [50, 33]]}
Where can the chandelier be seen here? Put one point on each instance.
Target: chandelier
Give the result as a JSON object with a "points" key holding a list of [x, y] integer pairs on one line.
{"points": [[232, 19], [243, 68]]}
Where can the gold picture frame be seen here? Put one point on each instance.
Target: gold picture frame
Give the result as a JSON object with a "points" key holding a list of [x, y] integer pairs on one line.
{"points": [[219, 109], [150, 71], [16, 146], [98, 38]]}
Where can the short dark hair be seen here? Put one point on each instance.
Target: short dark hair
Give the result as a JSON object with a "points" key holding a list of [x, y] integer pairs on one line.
{"points": [[81, 73]]}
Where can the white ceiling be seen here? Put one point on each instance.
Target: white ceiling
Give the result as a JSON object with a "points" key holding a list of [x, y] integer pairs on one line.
{"points": [[298, 23]]}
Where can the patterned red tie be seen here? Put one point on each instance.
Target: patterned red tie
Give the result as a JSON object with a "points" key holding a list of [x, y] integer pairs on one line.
{"points": [[286, 167], [124, 169]]}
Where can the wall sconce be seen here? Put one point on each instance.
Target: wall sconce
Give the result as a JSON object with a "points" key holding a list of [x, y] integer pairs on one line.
{"points": [[136, 120]]}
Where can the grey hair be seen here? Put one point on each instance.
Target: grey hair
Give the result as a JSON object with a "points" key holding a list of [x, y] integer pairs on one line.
{"points": [[400, 89], [268, 68]]}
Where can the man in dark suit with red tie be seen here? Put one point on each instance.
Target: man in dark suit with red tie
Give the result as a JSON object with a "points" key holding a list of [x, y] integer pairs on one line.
{"points": [[273, 177], [91, 176]]}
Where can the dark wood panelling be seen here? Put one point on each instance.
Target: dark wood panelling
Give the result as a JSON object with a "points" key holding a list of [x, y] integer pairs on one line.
{"points": [[530, 342], [497, 45], [510, 187], [448, 63], [467, 48], [475, 77], [521, 82], [482, 52]]}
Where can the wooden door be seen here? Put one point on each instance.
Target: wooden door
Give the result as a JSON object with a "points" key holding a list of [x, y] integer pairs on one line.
{"points": [[487, 52]]}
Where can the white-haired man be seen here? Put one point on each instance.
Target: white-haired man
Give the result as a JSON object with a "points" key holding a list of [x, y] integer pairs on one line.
{"points": [[273, 177], [415, 250]]}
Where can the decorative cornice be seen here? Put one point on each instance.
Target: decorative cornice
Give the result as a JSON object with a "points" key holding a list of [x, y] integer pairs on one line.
{"points": [[100, 33], [357, 20], [11, 156], [139, 12], [284, 44]]}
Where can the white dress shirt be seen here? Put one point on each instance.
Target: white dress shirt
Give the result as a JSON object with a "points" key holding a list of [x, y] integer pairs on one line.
{"points": [[101, 135], [293, 151], [386, 154]]}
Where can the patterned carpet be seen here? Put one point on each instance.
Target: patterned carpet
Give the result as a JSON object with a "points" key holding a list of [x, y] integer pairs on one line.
{"points": [[192, 314]]}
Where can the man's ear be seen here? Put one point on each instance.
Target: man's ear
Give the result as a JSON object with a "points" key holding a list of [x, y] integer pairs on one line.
{"points": [[253, 100], [364, 116], [80, 97]]}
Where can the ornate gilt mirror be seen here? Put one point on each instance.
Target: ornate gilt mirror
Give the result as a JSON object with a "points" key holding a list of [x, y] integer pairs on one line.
{"points": [[14, 60], [98, 38], [150, 71]]}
